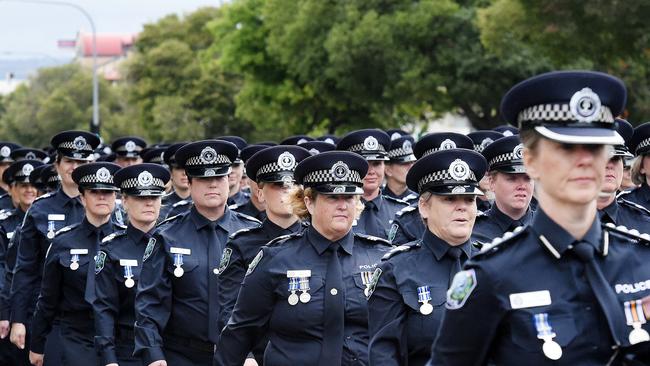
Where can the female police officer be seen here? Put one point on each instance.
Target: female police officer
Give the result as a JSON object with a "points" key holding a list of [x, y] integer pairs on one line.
{"points": [[67, 267], [409, 288], [307, 290], [564, 290], [118, 262]]}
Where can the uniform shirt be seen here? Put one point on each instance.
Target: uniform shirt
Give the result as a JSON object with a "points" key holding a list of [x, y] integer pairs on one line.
{"points": [[483, 205], [249, 209], [168, 202], [407, 225], [240, 250], [493, 223], [114, 305], [48, 214], [5, 202], [639, 195], [239, 198], [491, 316], [64, 290], [399, 333], [296, 332], [9, 222], [626, 213], [184, 307], [407, 196], [377, 216]]}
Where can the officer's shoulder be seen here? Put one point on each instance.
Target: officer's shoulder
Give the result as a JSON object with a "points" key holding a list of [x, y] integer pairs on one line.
{"points": [[109, 238], [5, 214], [405, 210], [632, 234], [247, 217], [634, 206], [410, 197], [481, 215], [44, 197], [65, 229], [181, 203], [624, 193], [402, 249], [372, 239], [395, 200], [500, 244], [280, 240], [243, 231], [119, 226], [169, 220]]}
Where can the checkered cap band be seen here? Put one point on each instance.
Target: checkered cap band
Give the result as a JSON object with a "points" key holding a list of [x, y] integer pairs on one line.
{"points": [[197, 161], [156, 183], [398, 153], [504, 158], [92, 178], [643, 144], [479, 148], [359, 148], [440, 176], [324, 176], [559, 113], [71, 146], [53, 178], [271, 168]]}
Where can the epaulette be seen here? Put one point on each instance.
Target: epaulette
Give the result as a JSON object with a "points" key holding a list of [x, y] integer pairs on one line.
{"points": [[305, 223], [5, 214], [372, 238], [406, 209], [169, 219], [500, 242], [634, 205], [65, 229], [234, 206], [121, 226], [112, 236], [409, 197], [478, 244], [247, 217], [623, 193], [391, 198], [480, 213], [181, 203], [282, 238], [46, 195], [401, 249], [244, 230], [628, 233]]}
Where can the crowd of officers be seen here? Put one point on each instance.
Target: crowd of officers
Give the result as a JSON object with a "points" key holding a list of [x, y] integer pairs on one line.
{"points": [[518, 245]]}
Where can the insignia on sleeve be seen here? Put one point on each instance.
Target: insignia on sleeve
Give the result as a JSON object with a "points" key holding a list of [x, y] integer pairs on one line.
{"points": [[392, 232], [373, 282], [149, 249], [461, 287], [100, 260], [256, 260], [225, 260]]}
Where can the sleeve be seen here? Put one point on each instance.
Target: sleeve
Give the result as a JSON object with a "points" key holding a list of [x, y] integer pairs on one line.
{"points": [[3, 258], [230, 279], [10, 262], [251, 314], [26, 272], [401, 236], [386, 320], [153, 302], [48, 303], [106, 309], [469, 326]]}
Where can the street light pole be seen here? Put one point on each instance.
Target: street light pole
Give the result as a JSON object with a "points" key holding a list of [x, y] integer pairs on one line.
{"points": [[94, 125]]}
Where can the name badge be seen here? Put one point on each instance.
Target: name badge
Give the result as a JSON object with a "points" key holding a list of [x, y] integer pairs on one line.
{"points": [[183, 251], [129, 262], [299, 273], [55, 217], [78, 251], [10, 235], [532, 299]]}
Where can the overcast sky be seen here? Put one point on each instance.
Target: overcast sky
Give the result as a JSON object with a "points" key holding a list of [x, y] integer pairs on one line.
{"points": [[29, 30]]}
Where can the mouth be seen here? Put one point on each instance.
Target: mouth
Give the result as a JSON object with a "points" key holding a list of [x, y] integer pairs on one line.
{"points": [[583, 180]]}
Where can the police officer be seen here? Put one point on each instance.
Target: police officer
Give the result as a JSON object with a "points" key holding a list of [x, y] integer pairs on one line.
{"points": [[409, 288], [154, 155], [563, 290], [401, 160], [254, 207], [481, 140], [128, 150], [48, 214], [408, 225], [237, 196], [330, 139], [640, 146], [512, 187], [29, 153], [306, 290], [379, 210], [5, 160], [296, 140], [65, 292], [177, 309], [50, 178], [118, 262], [317, 147], [179, 199]]}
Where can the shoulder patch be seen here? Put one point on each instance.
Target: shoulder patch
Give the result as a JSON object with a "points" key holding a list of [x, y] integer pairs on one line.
{"points": [[5, 214], [282, 238], [500, 242], [225, 260], [256, 260], [634, 205], [149, 249], [372, 238], [373, 282], [112, 236], [65, 229], [396, 200], [463, 284], [247, 217], [401, 249], [392, 232], [629, 233], [405, 210], [181, 203], [100, 260]]}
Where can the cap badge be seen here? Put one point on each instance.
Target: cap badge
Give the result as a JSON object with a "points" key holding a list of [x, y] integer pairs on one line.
{"points": [[585, 105], [145, 179], [30, 155], [395, 136], [5, 151], [508, 133], [458, 190], [27, 168], [129, 146], [340, 171], [370, 143], [103, 175], [287, 161], [338, 189], [287, 180], [459, 170], [407, 146], [314, 151], [486, 141], [330, 141], [518, 152], [209, 173], [301, 141], [447, 144], [79, 142], [208, 155]]}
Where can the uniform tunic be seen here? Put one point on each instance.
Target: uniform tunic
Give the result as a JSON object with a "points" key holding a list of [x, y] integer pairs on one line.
{"points": [[493, 223], [377, 216], [249, 209], [408, 195], [626, 213], [407, 226], [639, 195]]}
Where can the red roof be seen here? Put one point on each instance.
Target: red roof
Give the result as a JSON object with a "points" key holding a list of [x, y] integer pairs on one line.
{"points": [[108, 45]]}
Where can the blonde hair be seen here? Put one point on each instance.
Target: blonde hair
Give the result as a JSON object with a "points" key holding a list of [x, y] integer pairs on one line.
{"points": [[638, 178], [299, 207], [530, 139]]}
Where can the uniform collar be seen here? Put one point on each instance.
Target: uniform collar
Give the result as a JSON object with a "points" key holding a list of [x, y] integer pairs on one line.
{"points": [[274, 230], [506, 222], [439, 247], [67, 200], [611, 211], [136, 234], [645, 191], [320, 243], [101, 231], [201, 221], [375, 203], [557, 240]]}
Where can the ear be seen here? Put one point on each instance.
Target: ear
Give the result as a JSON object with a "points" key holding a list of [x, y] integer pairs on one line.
{"points": [[310, 204], [530, 162], [423, 207], [260, 195]]}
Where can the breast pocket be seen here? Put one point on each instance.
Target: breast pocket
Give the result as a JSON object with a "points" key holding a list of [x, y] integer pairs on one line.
{"points": [[524, 333], [419, 324], [311, 312], [187, 281]]}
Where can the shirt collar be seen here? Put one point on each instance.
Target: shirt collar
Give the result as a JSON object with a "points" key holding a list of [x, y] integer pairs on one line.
{"points": [[67, 200], [273, 230], [320, 243], [101, 231], [439, 247], [199, 220], [375, 203], [611, 210], [135, 234], [506, 222], [557, 240]]}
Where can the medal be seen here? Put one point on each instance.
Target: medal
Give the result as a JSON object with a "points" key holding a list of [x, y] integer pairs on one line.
{"points": [[293, 287], [74, 265], [424, 296], [179, 271], [128, 265], [304, 287], [550, 348], [178, 262], [129, 283], [366, 277], [50, 234], [50, 229], [636, 318]]}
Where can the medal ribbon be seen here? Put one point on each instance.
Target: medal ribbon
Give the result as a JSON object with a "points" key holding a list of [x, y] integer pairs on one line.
{"points": [[178, 260], [424, 294], [634, 312], [304, 284], [293, 284], [75, 258], [544, 329], [128, 272]]}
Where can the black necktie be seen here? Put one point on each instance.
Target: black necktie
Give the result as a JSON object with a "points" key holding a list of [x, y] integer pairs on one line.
{"points": [[214, 256], [334, 311], [454, 253], [604, 294], [89, 292]]}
